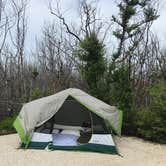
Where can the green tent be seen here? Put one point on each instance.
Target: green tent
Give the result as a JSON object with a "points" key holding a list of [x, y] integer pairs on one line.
{"points": [[69, 120]]}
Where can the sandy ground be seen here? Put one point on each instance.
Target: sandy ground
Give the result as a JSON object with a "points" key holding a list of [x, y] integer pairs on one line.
{"points": [[135, 152]]}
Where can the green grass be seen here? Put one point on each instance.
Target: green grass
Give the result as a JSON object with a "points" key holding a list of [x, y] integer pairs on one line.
{"points": [[7, 124]]}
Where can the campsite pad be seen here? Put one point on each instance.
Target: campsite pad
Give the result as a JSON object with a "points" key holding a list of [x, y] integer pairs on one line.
{"points": [[135, 152]]}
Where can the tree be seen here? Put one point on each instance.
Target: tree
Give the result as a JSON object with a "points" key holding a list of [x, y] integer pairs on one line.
{"points": [[55, 59], [92, 54], [129, 26], [89, 50], [135, 19], [18, 41]]}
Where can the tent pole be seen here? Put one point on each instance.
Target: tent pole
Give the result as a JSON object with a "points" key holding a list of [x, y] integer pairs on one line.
{"points": [[52, 124], [91, 122]]}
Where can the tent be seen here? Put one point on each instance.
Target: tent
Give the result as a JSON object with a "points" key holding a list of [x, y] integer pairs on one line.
{"points": [[69, 120]]}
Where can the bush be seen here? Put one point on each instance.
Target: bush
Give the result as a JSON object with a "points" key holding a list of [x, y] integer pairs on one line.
{"points": [[151, 121], [37, 93], [150, 126], [7, 124], [129, 126]]}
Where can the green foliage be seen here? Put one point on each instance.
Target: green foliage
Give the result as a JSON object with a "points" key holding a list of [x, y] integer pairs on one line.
{"points": [[127, 28], [150, 126], [158, 103], [94, 64], [120, 90], [129, 126], [7, 124], [150, 14], [35, 73], [127, 11], [150, 122], [121, 96], [37, 93]]}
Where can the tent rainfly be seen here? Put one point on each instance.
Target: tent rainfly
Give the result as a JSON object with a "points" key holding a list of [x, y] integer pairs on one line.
{"points": [[69, 120]]}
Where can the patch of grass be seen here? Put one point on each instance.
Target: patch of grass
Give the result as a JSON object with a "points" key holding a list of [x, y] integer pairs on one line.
{"points": [[6, 125]]}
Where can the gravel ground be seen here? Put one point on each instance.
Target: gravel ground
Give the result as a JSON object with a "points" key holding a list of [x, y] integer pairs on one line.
{"points": [[135, 152]]}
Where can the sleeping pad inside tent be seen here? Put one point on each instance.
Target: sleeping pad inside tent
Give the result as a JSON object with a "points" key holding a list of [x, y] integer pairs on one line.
{"points": [[69, 120]]}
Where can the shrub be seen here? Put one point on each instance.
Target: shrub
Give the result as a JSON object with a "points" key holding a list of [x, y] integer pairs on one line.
{"points": [[129, 126], [37, 93], [150, 126], [7, 124], [151, 121]]}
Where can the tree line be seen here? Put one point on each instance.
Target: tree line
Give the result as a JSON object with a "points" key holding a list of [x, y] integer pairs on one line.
{"points": [[130, 75]]}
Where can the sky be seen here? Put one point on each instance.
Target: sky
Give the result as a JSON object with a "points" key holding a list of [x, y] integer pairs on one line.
{"points": [[38, 14]]}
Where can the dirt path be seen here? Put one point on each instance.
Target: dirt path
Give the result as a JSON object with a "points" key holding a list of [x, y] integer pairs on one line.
{"points": [[136, 152]]}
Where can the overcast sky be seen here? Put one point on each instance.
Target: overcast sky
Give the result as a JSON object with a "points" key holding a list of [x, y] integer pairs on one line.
{"points": [[38, 13]]}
